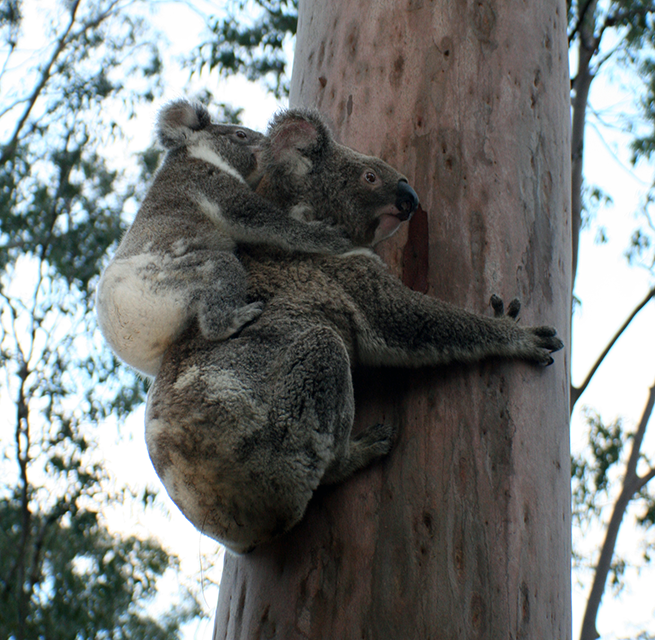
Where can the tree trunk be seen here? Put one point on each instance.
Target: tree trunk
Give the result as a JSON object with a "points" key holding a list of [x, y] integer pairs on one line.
{"points": [[464, 531]]}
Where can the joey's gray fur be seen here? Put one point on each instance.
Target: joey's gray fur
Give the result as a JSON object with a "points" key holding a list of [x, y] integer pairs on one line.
{"points": [[176, 262], [242, 432]]}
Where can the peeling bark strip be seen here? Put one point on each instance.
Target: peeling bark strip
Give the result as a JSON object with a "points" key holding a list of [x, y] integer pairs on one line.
{"points": [[464, 532]]}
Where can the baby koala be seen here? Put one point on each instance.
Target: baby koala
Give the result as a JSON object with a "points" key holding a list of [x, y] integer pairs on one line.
{"points": [[176, 263]]}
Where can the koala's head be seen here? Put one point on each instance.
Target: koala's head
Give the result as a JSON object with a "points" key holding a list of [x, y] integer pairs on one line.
{"points": [[183, 126], [305, 170]]}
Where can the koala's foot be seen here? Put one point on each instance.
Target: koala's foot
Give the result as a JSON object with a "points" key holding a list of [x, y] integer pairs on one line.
{"points": [[365, 447], [215, 329], [536, 343]]}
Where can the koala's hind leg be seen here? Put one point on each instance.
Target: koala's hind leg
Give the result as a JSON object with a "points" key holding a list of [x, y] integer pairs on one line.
{"points": [[221, 302], [313, 410], [363, 448], [311, 405]]}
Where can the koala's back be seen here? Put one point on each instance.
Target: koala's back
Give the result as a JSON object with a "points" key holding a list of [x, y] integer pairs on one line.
{"points": [[211, 414]]}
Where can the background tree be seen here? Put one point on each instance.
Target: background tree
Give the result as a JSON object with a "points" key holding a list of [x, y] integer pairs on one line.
{"points": [[63, 573], [255, 47], [465, 528], [611, 475]]}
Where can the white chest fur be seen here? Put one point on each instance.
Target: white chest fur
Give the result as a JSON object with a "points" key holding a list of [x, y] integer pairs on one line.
{"points": [[139, 316]]}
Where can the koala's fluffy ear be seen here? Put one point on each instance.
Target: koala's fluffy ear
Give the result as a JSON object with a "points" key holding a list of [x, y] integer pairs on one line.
{"points": [[295, 136], [177, 120]]}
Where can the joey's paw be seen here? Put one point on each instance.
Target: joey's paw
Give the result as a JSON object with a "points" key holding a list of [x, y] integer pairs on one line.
{"points": [[243, 315], [330, 239], [220, 328], [378, 439], [499, 307], [544, 341], [248, 312]]}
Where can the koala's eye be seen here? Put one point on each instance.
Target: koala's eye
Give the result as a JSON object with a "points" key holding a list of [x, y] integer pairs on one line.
{"points": [[370, 177], [241, 134]]}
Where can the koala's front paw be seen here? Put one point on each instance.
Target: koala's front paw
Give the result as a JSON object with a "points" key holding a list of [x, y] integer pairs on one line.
{"points": [[243, 315], [537, 343], [543, 341]]}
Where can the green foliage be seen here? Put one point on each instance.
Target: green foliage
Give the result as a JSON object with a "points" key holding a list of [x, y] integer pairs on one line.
{"points": [[647, 518], [10, 21], [85, 582], [632, 20], [641, 250], [591, 470], [253, 47], [596, 474], [593, 199], [221, 111], [62, 203], [593, 474], [52, 178], [623, 32]]}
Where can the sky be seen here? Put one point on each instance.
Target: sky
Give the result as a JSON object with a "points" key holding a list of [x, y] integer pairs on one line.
{"points": [[607, 287], [608, 290]]}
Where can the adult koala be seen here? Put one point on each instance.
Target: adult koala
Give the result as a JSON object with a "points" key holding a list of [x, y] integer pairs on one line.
{"points": [[242, 432]]}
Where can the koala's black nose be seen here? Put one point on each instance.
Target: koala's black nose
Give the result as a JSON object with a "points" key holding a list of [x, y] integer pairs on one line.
{"points": [[406, 200]]}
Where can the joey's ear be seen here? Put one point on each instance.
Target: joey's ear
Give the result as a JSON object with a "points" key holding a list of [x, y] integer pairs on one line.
{"points": [[177, 120]]}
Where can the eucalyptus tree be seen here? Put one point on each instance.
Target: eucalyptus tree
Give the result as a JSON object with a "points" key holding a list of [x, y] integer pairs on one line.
{"points": [[602, 37]]}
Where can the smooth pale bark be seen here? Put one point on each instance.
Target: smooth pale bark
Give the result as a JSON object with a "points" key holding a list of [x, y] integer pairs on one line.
{"points": [[464, 531]]}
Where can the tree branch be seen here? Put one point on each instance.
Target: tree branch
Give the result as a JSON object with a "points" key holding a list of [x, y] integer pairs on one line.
{"points": [[583, 78], [581, 16], [576, 392], [632, 483], [631, 469], [10, 147], [644, 480]]}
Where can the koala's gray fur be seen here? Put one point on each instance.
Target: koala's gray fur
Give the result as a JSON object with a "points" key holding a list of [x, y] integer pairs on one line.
{"points": [[242, 432], [176, 262]]}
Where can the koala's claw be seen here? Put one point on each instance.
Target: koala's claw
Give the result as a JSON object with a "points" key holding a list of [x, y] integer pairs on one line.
{"points": [[365, 447], [514, 308], [542, 341], [545, 332], [246, 314], [499, 307]]}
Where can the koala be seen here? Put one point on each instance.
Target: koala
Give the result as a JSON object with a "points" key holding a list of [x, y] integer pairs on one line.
{"points": [[176, 263], [242, 432]]}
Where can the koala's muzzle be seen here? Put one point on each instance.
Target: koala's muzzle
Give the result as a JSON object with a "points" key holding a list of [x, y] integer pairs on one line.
{"points": [[406, 200]]}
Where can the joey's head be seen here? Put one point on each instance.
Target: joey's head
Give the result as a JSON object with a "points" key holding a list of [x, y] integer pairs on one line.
{"points": [[187, 131], [304, 169]]}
